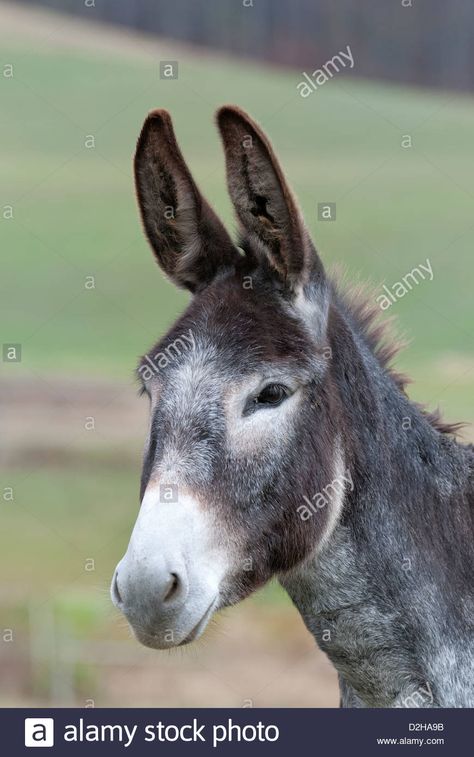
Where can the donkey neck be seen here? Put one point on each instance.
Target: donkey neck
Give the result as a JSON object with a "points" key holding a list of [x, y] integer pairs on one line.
{"points": [[377, 595]]}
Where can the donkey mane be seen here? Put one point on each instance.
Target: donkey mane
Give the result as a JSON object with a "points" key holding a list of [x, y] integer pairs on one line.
{"points": [[383, 339]]}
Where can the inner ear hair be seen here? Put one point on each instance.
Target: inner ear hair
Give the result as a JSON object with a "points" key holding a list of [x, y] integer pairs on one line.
{"points": [[263, 201]]}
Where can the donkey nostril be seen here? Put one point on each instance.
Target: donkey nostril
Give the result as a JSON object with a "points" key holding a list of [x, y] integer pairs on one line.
{"points": [[115, 590], [172, 587]]}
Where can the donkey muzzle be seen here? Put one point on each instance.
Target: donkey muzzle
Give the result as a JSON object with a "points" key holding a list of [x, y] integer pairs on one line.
{"points": [[167, 584]]}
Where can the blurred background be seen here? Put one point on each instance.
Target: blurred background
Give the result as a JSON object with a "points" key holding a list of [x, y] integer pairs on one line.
{"points": [[389, 142]]}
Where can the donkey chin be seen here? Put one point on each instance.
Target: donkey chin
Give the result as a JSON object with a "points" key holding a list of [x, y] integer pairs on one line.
{"points": [[167, 583]]}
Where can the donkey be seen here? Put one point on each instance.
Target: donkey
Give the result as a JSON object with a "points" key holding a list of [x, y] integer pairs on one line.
{"points": [[281, 444]]}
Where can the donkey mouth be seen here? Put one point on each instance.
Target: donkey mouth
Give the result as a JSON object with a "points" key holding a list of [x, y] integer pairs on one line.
{"points": [[200, 626], [156, 640]]}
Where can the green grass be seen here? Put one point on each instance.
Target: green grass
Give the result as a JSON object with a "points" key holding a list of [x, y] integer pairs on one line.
{"points": [[60, 520], [75, 216]]}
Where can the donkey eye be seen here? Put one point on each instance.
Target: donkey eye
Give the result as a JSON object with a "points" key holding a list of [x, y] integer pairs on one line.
{"points": [[271, 395]]}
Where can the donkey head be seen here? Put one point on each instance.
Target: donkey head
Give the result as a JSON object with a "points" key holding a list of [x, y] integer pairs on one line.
{"points": [[242, 423]]}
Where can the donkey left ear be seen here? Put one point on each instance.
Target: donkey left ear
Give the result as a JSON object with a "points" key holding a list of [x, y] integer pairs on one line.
{"points": [[264, 202], [190, 243]]}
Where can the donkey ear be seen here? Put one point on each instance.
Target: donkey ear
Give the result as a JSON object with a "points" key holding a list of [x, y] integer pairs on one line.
{"points": [[263, 200], [189, 241]]}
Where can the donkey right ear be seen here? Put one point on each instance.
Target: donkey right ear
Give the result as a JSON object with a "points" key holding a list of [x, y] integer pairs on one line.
{"points": [[189, 241]]}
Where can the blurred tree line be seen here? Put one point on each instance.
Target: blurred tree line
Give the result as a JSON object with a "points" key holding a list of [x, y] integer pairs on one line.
{"points": [[425, 42]]}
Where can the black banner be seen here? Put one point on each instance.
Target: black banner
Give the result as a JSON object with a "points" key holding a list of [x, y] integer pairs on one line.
{"points": [[236, 731]]}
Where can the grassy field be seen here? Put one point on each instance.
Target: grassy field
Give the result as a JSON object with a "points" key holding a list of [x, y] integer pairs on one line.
{"points": [[74, 216]]}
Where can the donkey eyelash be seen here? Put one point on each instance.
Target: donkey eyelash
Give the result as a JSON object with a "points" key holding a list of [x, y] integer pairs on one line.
{"points": [[142, 390], [271, 395]]}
